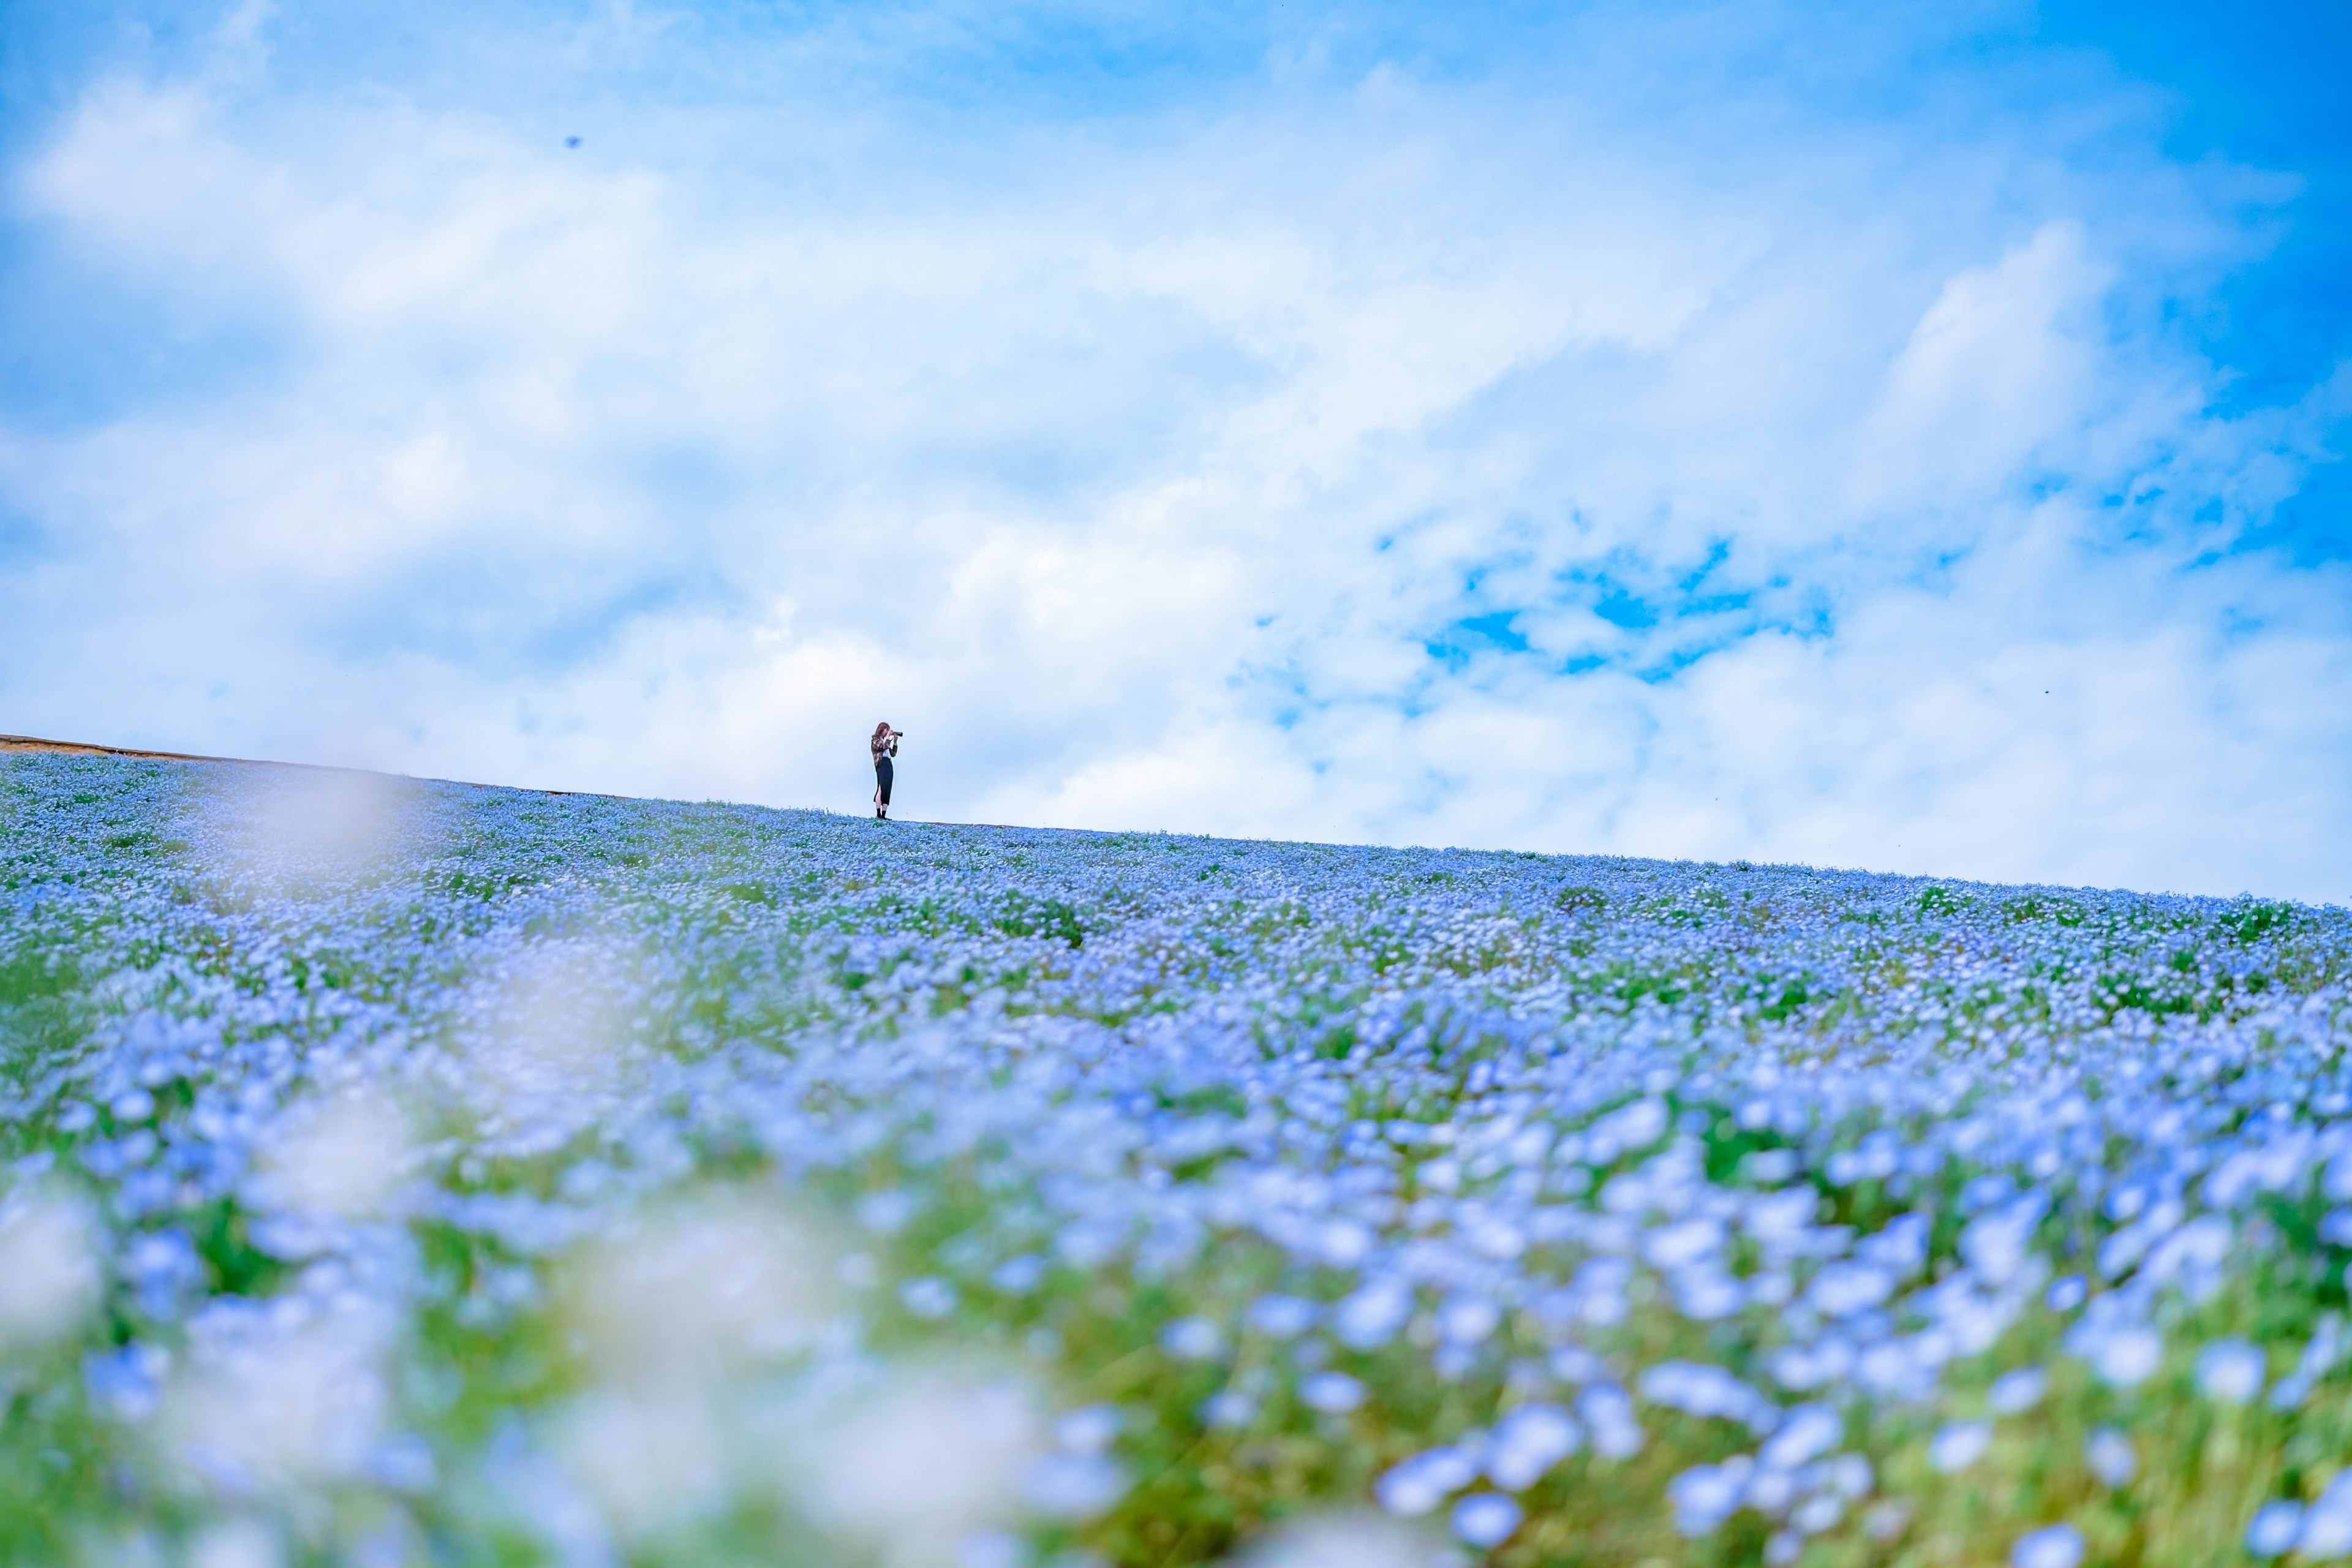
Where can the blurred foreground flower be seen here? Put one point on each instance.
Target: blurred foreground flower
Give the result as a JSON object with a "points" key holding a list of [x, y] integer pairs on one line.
{"points": [[281, 1396], [288, 822], [48, 1271], [344, 1156], [1349, 1541], [679, 1298], [930, 1460]]}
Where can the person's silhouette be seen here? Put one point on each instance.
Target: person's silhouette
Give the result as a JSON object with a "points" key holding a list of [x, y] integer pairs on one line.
{"points": [[884, 746]]}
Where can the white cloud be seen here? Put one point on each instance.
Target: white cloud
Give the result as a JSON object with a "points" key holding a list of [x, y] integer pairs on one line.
{"points": [[1134, 465]]}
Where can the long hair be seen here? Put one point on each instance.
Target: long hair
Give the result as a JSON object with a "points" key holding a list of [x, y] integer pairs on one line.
{"points": [[882, 729]]}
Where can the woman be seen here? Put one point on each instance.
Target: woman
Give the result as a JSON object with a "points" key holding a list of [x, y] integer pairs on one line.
{"points": [[885, 747]]}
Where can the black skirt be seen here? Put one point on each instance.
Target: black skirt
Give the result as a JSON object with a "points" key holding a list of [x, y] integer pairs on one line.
{"points": [[882, 772]]}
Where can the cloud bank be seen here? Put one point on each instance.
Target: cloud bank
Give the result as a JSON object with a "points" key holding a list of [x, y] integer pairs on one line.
{"points": [[1701, 433]]}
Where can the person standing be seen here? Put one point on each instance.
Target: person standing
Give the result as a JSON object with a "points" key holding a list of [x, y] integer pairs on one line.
{"points": [[884, 746]]}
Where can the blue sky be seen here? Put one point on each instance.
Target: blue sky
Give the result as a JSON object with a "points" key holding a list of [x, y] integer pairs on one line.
{"points": [[1792, 432]]}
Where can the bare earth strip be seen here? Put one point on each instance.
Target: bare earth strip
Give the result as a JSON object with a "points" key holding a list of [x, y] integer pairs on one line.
{"points": [[14, 743]]}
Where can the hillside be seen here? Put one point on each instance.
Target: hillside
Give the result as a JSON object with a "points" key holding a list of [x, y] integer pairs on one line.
{"points": [[473, 1176]]}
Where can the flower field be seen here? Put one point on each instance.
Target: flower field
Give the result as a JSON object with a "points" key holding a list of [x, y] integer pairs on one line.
{"points": [[403, 1174]]}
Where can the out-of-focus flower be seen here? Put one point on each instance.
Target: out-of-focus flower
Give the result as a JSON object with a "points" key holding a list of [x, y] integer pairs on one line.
{"points": [[237, 1543], [2056, 1546], [1486, 1519], [2326, 1530], [1091, 1429], [2111, 1457], [2123, 1354], [1529, 1441], [703, 1284], [299, 823], [128, 1384], [929, 1298], [2015, 1392], [1706, 1495], [264, 1406], [1807, 1432], [934, 1457], [1703, 1390], [648, 1459], [1073, 1485], [344, 1156], [1960, 1445], [48, 1268], [1192, 1338], [1229, 1408], [1345, 1540], [1419, 1484], [2271, 1532], [1370, 1318], [2231, 1371], [1998, 1242], [1281, 1317], [1608, 1415], [1332, 1392], [544, 1041]]}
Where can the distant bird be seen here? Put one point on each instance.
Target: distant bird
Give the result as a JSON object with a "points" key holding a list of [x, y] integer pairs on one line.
{"points": [[571, 141]]}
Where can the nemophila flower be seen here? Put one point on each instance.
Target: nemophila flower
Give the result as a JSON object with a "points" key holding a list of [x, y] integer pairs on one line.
{"points": [[1996, 1243], [1960, 1445], [1506, 1138], [2017, 1391], [2057, 1546], [1701, 1390], [280, 1402], [1706, 1495], [928, 1297], [1073, 1485], [2111, 1457], [1486, 1519], [344, 1156], [1192, 1338], [1467, 1319], [2274, 1529], [1346, 1540], [1018, 1276], [1282, 1317], [1806, 1433], [2123, 1352], [698, 1288], [1332, 1392], [2326, 1525], [128, 1384], [1608, 1415], [1529, 1441], [49, 1267], [923, 1464], [1229, 1408], [1372, 1315], [649, 1459], [2231, 1371], [2320, 1355], [1421, 1483], [245, 1541], [1087, 1430]]}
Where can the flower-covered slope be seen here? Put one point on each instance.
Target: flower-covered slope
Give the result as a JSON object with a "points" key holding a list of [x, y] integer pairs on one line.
{"points": [[421, 1174]]}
